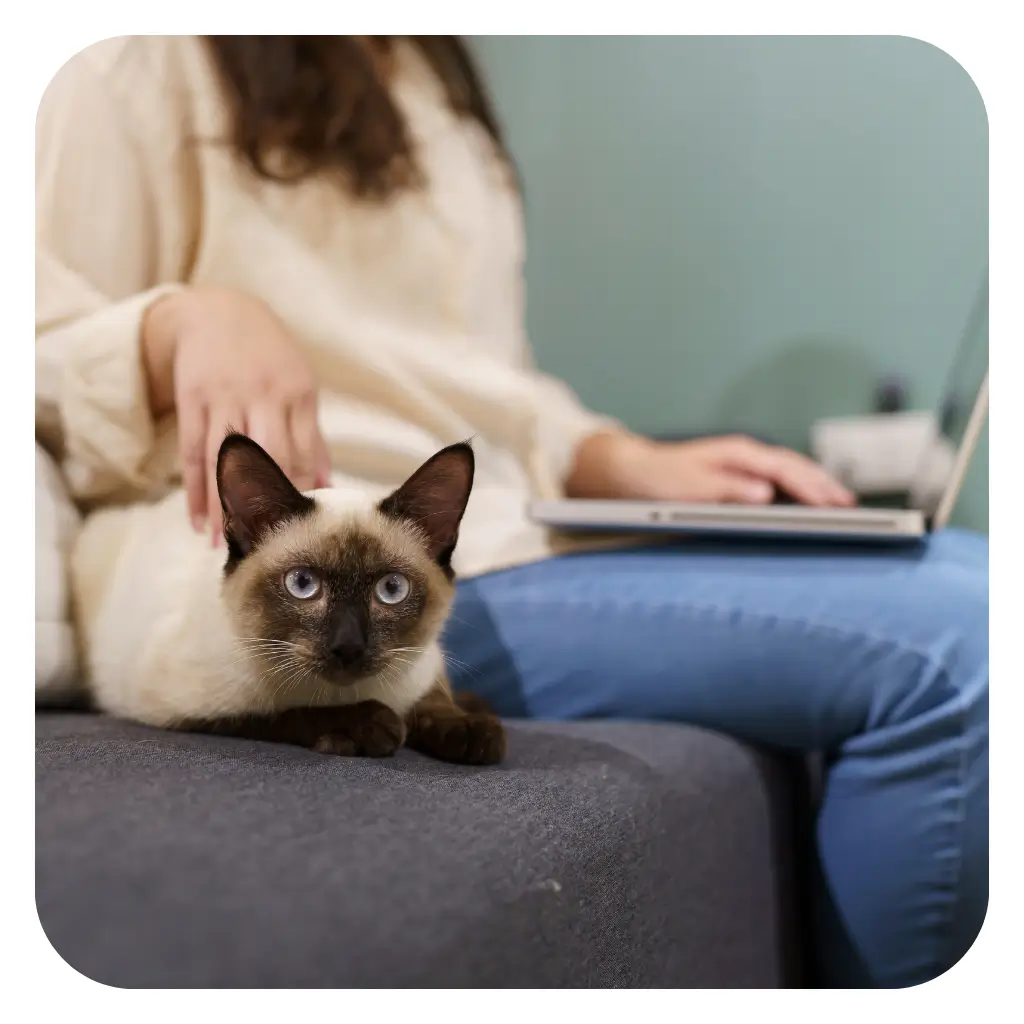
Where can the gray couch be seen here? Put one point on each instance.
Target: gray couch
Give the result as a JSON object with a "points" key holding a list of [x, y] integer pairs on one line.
{"points": [[600, 854]]}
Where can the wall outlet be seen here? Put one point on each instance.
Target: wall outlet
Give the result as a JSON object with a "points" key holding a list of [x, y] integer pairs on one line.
{"points": [[875, 454]]}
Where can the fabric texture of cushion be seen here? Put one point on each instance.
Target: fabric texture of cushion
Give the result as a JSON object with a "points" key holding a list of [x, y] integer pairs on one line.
{"points": [[599, 854]]}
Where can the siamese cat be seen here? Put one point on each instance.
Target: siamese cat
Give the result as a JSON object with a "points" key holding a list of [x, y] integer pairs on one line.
{"points": [[321, 628]]}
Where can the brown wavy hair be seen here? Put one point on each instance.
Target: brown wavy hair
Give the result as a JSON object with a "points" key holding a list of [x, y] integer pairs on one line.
{"points": [[302, 105]]}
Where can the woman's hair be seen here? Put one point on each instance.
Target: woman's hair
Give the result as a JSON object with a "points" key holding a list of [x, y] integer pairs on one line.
{"points": [[300, 105]]}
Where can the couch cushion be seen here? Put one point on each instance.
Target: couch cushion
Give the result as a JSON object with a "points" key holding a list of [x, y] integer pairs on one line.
{"points": [[600, 854]]}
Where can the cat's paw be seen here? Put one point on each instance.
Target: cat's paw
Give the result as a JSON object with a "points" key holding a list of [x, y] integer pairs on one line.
{"points": [[476, 738], [363, 730]]}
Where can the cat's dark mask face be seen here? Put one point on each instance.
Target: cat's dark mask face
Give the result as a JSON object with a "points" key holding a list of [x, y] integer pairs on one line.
{"points": [[322, 594]]}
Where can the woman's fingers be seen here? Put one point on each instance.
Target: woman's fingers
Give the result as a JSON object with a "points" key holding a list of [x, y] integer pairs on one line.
{"points": [[292, 441], [735, 488], [323, 463], [311, 460], [796, 474], [806, 481], [192, 431]]}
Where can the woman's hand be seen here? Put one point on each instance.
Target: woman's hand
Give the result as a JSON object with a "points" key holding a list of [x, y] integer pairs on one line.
{"points": [[718, 469], [223, 361]]}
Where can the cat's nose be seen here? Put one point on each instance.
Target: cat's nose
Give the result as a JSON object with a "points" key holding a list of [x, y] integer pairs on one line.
{"points": [[348, 646], [348, 655]]}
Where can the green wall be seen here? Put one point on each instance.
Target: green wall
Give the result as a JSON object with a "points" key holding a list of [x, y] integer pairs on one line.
{"points": [[745, 232]]}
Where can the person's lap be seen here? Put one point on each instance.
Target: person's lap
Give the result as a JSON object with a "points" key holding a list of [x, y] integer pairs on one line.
{"points": [[879, 658]]}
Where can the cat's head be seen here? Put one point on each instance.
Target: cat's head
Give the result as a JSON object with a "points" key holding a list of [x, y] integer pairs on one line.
{"points": [[323, 595]]}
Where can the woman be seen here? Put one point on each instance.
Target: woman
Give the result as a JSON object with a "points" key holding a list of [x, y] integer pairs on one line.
{"points": [[318, 240]]}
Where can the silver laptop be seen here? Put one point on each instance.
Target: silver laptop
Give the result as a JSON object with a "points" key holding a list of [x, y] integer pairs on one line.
{"points": [[960, 420]]}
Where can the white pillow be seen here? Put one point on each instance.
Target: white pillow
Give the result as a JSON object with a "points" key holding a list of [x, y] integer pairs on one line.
{"points": [[57, 519]]}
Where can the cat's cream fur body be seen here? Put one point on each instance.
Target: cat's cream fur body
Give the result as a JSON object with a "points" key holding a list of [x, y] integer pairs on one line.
{"points": [[160, 642]]}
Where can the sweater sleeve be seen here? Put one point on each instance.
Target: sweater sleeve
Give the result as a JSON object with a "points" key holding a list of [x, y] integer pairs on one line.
{"points": [[98, 268], [563, 421]]}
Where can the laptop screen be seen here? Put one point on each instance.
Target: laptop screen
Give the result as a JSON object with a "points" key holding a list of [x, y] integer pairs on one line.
{"points": [[959, 395]]}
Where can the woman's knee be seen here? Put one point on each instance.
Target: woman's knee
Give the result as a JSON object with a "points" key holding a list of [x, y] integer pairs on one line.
{"points": [[940, 606], [953, 598], [966, 548], [938, 638]]}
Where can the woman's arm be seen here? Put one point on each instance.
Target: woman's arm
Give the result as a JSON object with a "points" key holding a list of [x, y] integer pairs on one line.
{"points": [[101, 261], [122, 340], [605, 463], [595, 456]]}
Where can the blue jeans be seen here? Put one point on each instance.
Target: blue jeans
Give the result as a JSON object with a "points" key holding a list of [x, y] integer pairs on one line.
{"points": [[876, 658]]}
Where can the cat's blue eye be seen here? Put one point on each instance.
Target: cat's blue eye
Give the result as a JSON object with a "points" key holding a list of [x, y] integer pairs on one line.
{"points": [[303, 584], [392, 589]]}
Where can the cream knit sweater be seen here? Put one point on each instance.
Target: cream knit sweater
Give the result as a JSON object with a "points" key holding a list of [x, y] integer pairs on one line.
{"points": [[411, 313]]}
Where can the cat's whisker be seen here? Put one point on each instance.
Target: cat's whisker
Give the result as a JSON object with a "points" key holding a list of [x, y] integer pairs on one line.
{"points": [[451, 660], [268, 646], [265, 647], [272, 659], [278, 690], [270, 656], [471, 672], [291, 672], [289, 685], [256, 644], [266, 640], [300, 679], [285, 684], [313, 694], [268, 653], [403, 661], [299, 671], [465, 622], [386, 680]]}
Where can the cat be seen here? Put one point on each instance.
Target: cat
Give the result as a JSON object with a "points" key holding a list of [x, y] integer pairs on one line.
{"points": [[320, 628]]}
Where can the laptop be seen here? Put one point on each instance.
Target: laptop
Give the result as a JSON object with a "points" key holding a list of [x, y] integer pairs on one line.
{"points": [[929, 503]]}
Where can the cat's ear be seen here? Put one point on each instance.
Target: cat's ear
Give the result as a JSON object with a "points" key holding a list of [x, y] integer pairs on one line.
{"points": [[255, 494], [434, 499]]}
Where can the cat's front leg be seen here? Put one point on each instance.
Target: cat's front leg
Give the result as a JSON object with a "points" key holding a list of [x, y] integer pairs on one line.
{"points": [[367, 729], [441, 728]]}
